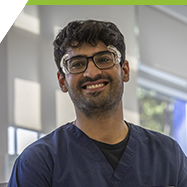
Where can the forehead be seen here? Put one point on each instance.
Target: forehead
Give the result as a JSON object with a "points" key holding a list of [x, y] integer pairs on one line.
{"points": [[87, 49]]}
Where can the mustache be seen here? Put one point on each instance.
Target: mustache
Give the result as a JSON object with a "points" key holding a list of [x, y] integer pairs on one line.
{"points": [[89, 79]]}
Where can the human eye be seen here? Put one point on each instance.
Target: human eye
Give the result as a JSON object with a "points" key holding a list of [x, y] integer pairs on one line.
{"points": [[107, 58], [77, 63]]}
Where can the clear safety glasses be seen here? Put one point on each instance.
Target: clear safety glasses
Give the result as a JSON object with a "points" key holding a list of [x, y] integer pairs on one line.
{"points": [[102, 60]]}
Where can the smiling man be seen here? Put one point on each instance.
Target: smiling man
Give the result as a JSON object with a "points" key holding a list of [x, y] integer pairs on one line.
{"points": [[99, 148]]}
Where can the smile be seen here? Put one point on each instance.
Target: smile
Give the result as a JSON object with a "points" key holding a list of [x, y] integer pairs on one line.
{"points": [[95, 85]]}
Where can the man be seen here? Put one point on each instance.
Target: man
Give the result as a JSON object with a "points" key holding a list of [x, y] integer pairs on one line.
{"points": [[99, 148]]}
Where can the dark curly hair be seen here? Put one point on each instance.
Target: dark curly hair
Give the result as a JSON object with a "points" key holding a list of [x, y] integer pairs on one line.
{"points": [[76, 33]]}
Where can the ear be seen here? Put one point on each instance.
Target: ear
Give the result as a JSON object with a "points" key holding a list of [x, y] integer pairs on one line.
{"points": [[126, 70], [62, 82]]}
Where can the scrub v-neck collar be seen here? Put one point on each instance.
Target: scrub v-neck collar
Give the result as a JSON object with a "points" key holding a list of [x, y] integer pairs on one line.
{"points": [[117, 176]]}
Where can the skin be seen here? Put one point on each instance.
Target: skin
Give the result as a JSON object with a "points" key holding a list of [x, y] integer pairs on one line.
{"points": [[98, 109]]}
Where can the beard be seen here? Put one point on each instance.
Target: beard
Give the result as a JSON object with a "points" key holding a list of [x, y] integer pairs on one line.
{"points": [[99, 103]]}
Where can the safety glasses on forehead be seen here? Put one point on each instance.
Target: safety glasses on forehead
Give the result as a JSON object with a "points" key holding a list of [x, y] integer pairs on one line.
{"points": [[102, 60]]}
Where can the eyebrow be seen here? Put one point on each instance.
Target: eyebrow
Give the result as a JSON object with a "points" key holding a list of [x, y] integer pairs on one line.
{"points": [[86, 55]]}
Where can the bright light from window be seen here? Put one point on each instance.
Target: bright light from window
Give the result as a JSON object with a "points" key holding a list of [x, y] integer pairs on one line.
{"points": [[27, 109], [28, 23], [11, 140], [64, 108], [24, 138]]}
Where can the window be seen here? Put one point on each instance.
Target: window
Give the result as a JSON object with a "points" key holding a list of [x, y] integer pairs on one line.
{"points": [[24, 138], [164, 114], [11, 140], [162, 99], [156, 111], [19, 139]]}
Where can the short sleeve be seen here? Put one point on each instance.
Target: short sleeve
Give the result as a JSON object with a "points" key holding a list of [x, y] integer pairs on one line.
{"points": [[26, 173]]}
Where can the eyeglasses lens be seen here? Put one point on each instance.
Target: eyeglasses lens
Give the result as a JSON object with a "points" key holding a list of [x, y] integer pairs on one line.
{"points": [[79, 64], [104, 60]]}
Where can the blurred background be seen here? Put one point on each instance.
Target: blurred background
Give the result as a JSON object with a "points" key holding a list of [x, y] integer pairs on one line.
{"points": [[31, 103]]}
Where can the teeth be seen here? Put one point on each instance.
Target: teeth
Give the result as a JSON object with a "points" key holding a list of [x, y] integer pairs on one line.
{"points": [[95, 86]]}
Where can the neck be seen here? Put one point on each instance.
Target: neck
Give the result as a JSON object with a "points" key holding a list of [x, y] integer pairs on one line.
{"points": [[109, 128]]}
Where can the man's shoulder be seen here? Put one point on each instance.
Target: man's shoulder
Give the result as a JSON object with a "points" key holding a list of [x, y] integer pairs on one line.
{"points": [[153, 138], [48, 153], [148, 132], [47, 145]]}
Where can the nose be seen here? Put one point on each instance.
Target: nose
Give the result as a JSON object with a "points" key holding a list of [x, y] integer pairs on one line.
{"points": [[91, 71]]}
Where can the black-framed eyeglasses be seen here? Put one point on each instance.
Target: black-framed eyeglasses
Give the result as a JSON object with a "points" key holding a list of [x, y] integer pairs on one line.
{"points": [[102, 60]]}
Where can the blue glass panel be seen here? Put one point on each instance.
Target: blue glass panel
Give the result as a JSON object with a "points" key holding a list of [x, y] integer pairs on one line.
{"points": [[180, 124]]}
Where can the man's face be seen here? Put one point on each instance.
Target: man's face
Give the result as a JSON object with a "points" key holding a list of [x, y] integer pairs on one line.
{"points": [[94, 91]]}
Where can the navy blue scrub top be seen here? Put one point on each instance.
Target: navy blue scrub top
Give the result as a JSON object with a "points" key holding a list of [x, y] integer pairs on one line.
{"points": [[69, 158]]}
